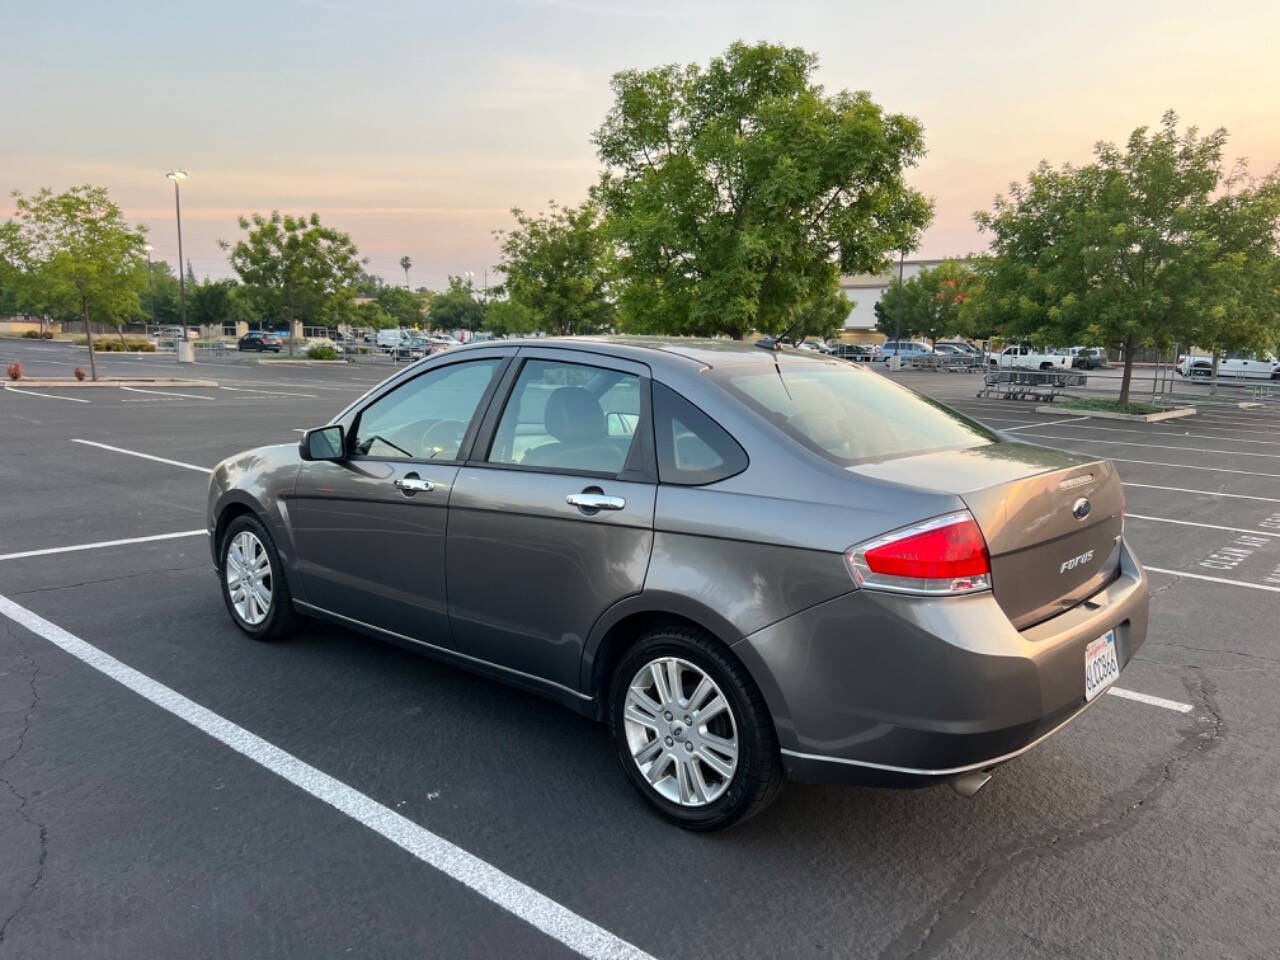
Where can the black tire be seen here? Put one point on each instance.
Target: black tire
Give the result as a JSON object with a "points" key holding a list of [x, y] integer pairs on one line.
{"points": [[281, 618], [757, 779]]}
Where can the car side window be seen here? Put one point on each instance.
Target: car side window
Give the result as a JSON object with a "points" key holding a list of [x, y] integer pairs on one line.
{"points": [[692, 448], [568, 416], [425, 418]]}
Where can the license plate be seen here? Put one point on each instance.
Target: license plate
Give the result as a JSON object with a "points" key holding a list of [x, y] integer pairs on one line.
{"points": [[1101, 665]]}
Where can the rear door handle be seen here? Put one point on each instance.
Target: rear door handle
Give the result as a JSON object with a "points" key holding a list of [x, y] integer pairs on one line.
{"points": [[595, 501], [413, 484]]}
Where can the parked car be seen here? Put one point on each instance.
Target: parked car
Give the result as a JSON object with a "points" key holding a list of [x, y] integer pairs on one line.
{"points": [[906, 349], [1029, 358], [703, 545], [958, 347], [168, 336], [388, 339], [853, 351], [1088, 358], [1233, 366], [259, 341], [415, 346]]}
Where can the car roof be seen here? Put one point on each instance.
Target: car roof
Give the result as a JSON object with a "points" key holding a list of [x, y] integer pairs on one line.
{"points": [[677, 351]]}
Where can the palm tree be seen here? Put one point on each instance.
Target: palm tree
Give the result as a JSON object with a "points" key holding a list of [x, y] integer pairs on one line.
{"points": [[405, 264]]}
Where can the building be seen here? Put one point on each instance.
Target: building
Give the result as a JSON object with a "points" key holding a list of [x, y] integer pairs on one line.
{"points": [[864, 289]]}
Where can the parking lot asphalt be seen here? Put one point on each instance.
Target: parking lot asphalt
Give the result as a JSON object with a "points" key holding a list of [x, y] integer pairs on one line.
{"points": [[1142, 830]]}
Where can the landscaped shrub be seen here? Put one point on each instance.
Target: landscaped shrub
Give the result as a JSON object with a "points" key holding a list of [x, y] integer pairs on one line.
{"points": [[31, 334], [80, 374], [14, 371], [115, 346], [322, 351]]}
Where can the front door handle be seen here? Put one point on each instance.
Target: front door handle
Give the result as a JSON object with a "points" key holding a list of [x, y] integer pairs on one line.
{"points": [[414, 484], [595, 501]]}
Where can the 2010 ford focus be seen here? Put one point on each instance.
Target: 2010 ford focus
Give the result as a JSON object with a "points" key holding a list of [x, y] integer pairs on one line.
{"points": [[751, 564]]}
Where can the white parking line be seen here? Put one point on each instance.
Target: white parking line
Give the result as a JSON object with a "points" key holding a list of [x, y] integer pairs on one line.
{"points": [[1203, 493], [1207, 526], [536, 909], [1156, 446], [48, 396], [1049, 423], [167, 393], [1201, 576], [99, 544], [1150, 700], [1176, 466], [274, 393], [144, 456]]}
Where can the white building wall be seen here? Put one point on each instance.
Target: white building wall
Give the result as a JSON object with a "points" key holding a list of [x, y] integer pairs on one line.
{"points": [[865, 289]]}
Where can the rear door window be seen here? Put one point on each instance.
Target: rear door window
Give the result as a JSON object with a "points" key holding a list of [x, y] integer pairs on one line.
{"points": [[568, 416]]}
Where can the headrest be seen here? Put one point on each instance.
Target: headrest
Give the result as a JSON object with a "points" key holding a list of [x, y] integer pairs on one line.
{"points": [[573, 415]]}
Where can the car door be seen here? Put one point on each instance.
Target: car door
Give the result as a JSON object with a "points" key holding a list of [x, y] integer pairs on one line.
{"points": [[551, 521], [369, 530]]}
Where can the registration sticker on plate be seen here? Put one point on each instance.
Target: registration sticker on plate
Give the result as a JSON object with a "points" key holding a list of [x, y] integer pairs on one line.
{"points": [[1101, 665]]}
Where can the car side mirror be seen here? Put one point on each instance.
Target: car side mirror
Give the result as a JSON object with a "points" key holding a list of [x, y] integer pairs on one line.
{"points": [[323, 443]]}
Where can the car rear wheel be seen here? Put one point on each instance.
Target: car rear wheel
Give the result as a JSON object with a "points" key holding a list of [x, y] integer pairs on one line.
{"points": [[253, 581], [692, 732]]}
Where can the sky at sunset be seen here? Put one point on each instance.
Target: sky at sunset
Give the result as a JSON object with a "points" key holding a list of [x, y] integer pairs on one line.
{"points": [[416, 126]]}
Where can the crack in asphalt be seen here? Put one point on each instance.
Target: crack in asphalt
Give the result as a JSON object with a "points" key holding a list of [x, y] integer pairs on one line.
{"points": [[958, 908], [97, 580], [21, 797], [1168, 586]]}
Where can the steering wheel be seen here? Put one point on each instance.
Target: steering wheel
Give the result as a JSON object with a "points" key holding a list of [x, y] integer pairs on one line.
{"points": [[441, 436]]}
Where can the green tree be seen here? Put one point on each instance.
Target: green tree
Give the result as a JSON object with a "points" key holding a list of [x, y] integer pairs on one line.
{"points": [[933, 302], [371, 315], [212, 303], [405, 264], [504, 317], [737, 193], [1143, 246], [368, 285], [77, 254], [456, 307], [161, 297], [294, 267], [405, 307], [558, 268]]}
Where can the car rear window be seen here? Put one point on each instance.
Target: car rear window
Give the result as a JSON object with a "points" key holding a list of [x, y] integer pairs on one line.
{"points": [[849, 414]]}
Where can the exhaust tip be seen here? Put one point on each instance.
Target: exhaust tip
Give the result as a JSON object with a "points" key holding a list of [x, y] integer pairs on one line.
{"points": [[968, 784]]}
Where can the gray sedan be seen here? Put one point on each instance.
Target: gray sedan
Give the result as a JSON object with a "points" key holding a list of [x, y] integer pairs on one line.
{"points": [[751, 564]]}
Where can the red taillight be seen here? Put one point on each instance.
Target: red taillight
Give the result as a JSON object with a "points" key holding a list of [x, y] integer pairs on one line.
{"points": [[943, 556]]}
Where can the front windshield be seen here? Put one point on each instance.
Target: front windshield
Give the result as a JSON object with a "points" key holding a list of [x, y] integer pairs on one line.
{"points": [[849, 414]]}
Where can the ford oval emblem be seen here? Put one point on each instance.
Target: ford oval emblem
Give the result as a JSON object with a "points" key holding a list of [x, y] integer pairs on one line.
{"points": [[1080, 509]]}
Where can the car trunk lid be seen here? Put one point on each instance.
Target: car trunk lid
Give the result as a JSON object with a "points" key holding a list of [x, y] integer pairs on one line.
{"points": [[1052, 520]]}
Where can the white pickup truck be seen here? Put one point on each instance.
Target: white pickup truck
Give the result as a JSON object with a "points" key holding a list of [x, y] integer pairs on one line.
{"points": [[1028, 359], [1234, 366]]}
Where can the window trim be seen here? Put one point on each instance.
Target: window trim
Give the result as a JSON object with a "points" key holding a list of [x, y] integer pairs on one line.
{"points": [[468, 436], [641, 463]]}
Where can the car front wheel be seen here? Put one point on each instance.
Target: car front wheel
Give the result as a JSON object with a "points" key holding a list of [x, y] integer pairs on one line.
{"points": [[692, 731], [254, 587]]}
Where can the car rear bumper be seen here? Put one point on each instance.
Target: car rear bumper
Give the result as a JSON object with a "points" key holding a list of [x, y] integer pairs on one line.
{"points": [[893, 690]]}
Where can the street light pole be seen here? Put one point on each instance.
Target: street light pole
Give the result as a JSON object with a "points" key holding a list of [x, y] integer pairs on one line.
{"points": [[177, 176], [151, 287], [897, 326]]}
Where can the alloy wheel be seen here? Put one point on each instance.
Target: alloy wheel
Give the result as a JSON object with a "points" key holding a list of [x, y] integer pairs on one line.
{"points": [[249, 580], [681, 732]]}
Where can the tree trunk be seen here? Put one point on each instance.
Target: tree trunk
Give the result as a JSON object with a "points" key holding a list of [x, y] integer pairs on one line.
{"points": [[88, 332], [1127, 379], [120, 331]]}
